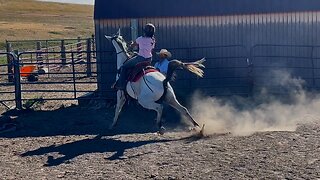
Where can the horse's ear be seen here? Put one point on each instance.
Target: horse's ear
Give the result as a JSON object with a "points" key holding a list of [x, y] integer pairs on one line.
{"points": [[108, 37], [119, 32]]}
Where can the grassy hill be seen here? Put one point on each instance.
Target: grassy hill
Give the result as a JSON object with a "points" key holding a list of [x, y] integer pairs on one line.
{"points": [[30, 19]]}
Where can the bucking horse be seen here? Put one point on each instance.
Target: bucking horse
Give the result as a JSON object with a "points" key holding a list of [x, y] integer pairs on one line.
{"points": [[152, 89]]}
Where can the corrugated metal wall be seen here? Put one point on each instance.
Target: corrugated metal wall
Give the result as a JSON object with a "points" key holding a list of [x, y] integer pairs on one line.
{"points": [[227, 42]]}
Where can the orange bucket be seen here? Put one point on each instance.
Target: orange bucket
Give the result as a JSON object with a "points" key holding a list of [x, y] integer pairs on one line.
{"points": [[25, 71]]}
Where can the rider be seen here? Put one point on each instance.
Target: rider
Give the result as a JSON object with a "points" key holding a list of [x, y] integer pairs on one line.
{"points": [[146, 44], [162, 64]]}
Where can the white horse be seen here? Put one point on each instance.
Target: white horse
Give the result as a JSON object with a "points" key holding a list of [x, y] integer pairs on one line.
{"points": [[153, 88]]}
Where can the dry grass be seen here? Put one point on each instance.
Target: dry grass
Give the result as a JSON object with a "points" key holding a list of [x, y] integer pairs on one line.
{"points": [[30, 19]]}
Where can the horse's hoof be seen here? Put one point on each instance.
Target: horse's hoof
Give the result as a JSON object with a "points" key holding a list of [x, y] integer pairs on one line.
{"points": [[161, 131], [194, 128], [197, 128], [202, 131]]}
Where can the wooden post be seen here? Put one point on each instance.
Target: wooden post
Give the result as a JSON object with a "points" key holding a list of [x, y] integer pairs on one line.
{"points": [[89, 58], [93, 43], [9, 62], [17, 83], [63, 53], [39, 56], [79, 49]]}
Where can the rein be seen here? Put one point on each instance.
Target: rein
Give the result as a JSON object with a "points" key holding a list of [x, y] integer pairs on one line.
{"points": [[120, 52]]}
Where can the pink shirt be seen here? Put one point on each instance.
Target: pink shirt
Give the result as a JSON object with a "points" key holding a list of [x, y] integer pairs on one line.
{"points": [[146, 44]]}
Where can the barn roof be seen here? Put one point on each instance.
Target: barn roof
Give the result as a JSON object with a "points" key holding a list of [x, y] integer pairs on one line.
{"points": [[114, 9]]}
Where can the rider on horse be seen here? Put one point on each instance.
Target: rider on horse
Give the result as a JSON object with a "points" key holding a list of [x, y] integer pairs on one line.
{"points": [[146, 44]]}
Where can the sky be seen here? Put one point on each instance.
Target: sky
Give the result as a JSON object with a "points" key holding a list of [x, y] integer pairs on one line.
{"points": [[91, 2]]}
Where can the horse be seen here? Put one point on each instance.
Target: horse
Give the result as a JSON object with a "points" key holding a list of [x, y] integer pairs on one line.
{"points": [[152, 89]]}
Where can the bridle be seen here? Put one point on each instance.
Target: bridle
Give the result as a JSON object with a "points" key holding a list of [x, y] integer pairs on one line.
{"points": [[115, 38]]}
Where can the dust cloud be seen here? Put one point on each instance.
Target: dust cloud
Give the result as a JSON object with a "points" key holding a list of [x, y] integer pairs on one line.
{"points": [[265, 111]]}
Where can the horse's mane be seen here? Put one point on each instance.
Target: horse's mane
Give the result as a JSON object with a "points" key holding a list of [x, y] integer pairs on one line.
{"points": [[128, 50]]}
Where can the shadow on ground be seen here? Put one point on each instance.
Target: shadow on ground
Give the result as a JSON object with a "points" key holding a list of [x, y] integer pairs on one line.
{"points": [[98, 144], [86, 146], [75, 120]]}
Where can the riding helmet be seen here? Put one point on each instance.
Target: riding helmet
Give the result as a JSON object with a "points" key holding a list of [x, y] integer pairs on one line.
{"points": [[149, 30]]}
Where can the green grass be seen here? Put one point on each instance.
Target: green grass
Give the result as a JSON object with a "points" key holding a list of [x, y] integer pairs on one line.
{"points": [[3, 59], [30, 19]]}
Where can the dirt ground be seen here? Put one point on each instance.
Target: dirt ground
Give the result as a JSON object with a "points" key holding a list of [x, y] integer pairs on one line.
{"points": [[73, 142]]}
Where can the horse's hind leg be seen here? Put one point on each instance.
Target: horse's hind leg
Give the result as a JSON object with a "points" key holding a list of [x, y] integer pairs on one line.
{"points": [[121, 99], [158, 108], [172, 101]]}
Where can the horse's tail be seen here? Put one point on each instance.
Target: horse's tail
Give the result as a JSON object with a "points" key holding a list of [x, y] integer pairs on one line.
{"points": [[194, 67]]}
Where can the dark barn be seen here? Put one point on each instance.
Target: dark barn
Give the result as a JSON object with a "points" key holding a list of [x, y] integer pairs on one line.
{"points": [[242, 40]]}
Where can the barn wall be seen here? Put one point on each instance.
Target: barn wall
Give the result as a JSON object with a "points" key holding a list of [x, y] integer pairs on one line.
{"points": [[226, 42]]}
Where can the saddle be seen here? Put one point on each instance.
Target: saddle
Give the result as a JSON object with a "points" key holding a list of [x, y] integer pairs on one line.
{"points": [[140, 69]]}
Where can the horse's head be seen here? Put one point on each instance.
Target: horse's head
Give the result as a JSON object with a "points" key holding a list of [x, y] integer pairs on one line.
{"points": [[118, 42], [121, 48]]}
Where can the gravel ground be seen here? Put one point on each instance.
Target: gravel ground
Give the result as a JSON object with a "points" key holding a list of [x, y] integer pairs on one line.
{"points": [[61, 140], [74, 143]]}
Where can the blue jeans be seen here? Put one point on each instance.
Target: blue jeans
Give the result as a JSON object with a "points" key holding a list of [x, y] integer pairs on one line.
{"points": [[122, 82]]}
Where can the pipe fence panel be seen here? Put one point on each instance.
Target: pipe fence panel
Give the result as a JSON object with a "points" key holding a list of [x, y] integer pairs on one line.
{"points": [[272, 64], [56, 79], [227, 70], [230, 70], [9, 96]]}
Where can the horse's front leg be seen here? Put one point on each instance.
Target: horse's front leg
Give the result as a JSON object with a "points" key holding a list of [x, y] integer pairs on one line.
{"points": [[121, 99]]}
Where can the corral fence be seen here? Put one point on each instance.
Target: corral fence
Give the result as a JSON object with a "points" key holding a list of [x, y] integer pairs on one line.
{"points": [[272, 63], [54, 50], [227, 71], [230, 70], [68, 78]]}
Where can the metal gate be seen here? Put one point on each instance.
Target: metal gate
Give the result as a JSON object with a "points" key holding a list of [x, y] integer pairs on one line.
{"points": [[46, 76], [8, 82]]}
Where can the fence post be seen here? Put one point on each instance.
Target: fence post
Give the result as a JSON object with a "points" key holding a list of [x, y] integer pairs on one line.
{"points": [[17, 83], [93, 45], [39, 56], [79, 49], [89, 57], [63, 53], [9, 62]]}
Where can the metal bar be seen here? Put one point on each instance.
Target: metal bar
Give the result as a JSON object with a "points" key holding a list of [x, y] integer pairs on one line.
{"points": [[63, 53], [66, 91], [43, 40], [63, 73], [89, 73], [74, 77], [64, 99], [1, 102], [39, 83], [17, 82], [7, 92], [9, 62]]}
